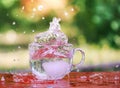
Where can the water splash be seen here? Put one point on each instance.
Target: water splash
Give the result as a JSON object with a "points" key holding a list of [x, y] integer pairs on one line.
{"points": [[54, 25], [96, 78], [50, 44]]}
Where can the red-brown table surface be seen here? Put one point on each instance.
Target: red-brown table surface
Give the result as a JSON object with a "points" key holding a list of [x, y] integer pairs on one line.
{"points": [[73, 80]]}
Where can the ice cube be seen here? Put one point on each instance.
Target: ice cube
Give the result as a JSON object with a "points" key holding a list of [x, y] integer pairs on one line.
{"points": [[56, 69]]}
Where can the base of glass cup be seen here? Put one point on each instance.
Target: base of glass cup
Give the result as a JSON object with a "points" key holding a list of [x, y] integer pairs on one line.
{"points": [[50, 69]]}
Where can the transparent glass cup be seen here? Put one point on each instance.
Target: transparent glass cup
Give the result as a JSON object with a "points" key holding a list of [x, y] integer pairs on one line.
{"points": [[51, 62]]}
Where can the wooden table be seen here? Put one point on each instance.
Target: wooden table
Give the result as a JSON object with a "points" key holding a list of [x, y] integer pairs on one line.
{"points": [[73, 80]]}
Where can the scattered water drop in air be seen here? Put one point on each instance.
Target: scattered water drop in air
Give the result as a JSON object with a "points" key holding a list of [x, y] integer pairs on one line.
{"points": [[66, 13], [23, 7], [72, 9], [40, 7], [43, 18], [33, 30], [14, 23], [2, 78], [34, 9], [19, 47], [24, 32], [117, 66]]}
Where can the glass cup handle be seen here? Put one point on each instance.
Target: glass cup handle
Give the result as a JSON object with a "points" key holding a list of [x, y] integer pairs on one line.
{"points": [[82, 58]]}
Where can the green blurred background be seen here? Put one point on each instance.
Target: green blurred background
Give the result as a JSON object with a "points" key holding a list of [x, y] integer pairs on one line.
{"points": [[93, 25]]}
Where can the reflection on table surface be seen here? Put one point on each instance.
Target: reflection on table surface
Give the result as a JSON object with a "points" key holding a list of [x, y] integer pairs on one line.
{"points": [[72, 80]]}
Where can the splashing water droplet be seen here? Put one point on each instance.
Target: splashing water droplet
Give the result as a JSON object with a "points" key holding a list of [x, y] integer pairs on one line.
{"points": [[40, 7], [24, 32], [33, 30], [2, 78], [72, 9], [117, 66], [54, 25], [19, 47], [34, 9], [23, 7], [43, 18], [14, 23], [66, 13]]}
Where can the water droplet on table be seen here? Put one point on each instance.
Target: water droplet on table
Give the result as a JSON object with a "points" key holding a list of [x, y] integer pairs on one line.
{"points": [[96, 78], [2, 78], [83, 78]]}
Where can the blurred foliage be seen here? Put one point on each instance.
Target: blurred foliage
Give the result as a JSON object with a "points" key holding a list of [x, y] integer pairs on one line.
{"points": [[97, 20], [12, 17]]}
